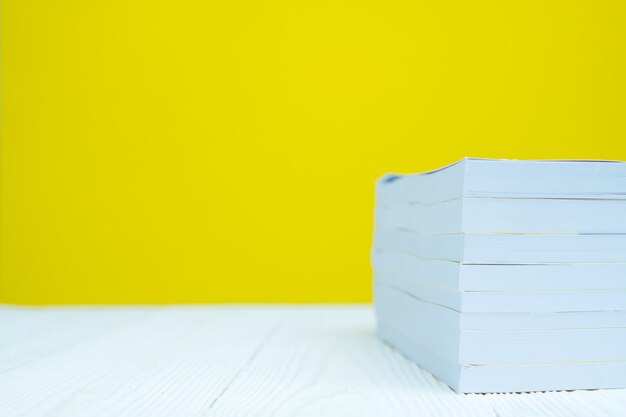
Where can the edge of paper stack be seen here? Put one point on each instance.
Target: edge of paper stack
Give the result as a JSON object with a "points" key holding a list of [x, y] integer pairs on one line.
{"points": [[505, 275]]}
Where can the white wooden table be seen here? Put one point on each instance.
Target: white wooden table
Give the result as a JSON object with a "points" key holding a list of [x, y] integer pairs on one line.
{"points": [[235, 361]]}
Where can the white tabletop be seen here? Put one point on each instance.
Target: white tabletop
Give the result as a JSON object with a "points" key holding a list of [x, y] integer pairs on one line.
{"points": [[235, 361]]}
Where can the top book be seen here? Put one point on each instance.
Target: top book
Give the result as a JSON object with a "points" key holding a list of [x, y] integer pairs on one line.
{"points": [[499, 178]]}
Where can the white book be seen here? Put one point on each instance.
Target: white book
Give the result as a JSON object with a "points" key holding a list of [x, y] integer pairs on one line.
{"points": [[503, 277], [510, 377], [506, 301], [505, 248], [507, 215], [506, 179], [497, 321]]}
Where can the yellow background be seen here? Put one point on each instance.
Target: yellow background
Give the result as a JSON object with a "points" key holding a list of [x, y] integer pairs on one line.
{"points": [[226, 151]]}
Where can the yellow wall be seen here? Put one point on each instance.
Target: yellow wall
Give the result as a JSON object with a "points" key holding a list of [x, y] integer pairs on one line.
{"points": [[226, 151]]}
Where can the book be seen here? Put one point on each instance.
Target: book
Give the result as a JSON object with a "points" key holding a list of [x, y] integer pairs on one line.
{"points": [[503, 277], [531, 301], [472, 177], [494, 248], [507, 215], [468, 378], [414, 307]]}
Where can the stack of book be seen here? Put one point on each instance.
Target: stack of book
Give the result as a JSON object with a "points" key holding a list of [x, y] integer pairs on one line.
{"points": [[506, 276]]}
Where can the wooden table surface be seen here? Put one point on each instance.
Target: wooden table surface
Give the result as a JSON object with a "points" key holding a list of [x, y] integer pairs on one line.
{"points": [[235, 361]]}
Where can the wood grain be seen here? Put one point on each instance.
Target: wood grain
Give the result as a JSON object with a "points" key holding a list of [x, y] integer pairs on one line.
{"points": [[235, 361]]}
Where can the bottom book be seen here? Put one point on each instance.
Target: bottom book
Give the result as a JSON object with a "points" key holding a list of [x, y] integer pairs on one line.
{"points": [[468, 378]]}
